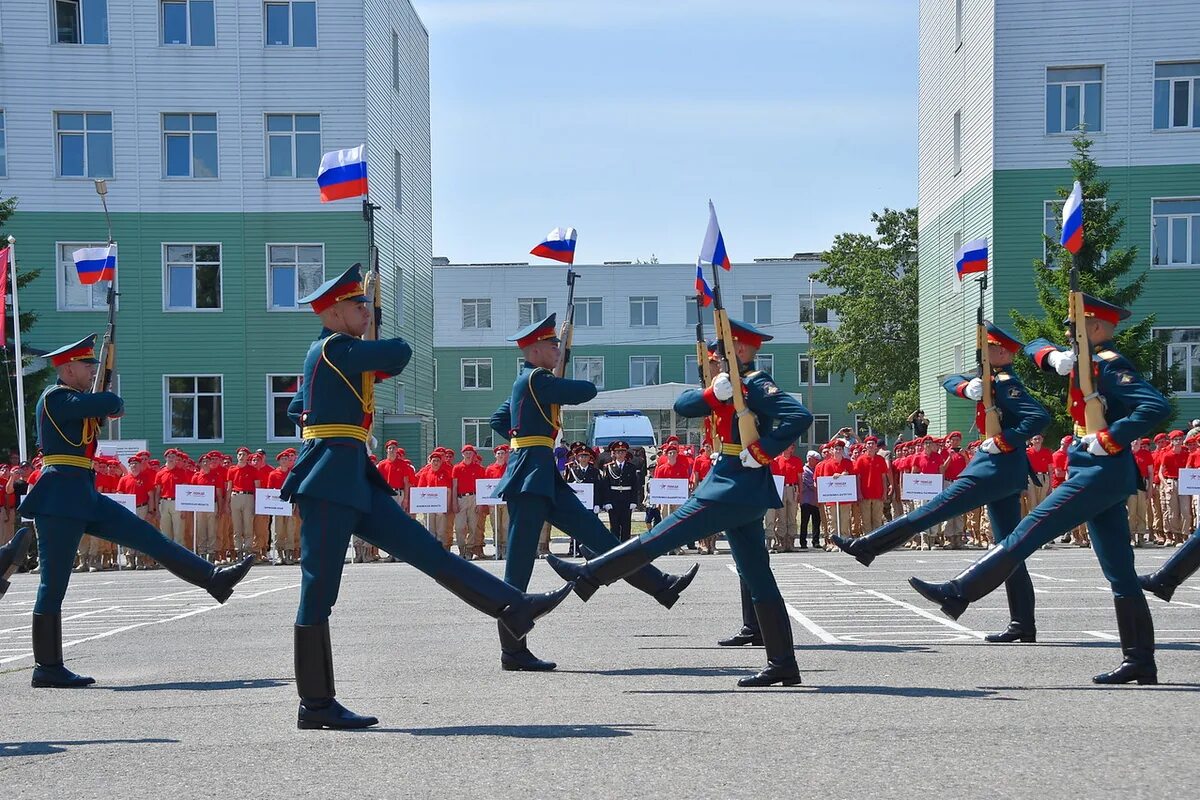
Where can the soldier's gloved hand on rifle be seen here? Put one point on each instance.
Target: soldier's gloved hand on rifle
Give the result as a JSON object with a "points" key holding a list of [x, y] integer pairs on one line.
{"points": [[749, 461], [1062, 362], [1092, 443], [608, 506], [989, 446], [974, 390], [722, 388], [633, 506], [595, 509]]}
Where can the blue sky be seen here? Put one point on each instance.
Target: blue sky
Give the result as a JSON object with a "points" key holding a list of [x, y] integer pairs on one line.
{"points": [[622, 117]]}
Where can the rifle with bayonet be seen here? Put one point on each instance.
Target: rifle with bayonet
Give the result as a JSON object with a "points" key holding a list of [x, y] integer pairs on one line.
{"points": [[991, 418], [1084, 381], [106, 355], [746, 424]]}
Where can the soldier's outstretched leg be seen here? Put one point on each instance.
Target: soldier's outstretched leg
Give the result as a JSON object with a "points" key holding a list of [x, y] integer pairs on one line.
{"points": [[12, 556], [1005, 515], [1109, 533], [750, 633], [1179, 567]]}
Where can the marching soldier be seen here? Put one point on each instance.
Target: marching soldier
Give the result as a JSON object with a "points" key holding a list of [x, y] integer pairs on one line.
{"points": [[64, 503], [620, 490], [340, 493], [536, 492], [1102, 475]]}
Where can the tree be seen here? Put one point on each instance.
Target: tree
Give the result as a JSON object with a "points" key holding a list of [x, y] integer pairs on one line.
{"points": [[876, 336], [1104, 267], [35, 382]]}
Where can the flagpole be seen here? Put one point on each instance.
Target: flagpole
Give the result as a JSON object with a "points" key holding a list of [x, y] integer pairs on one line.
{"points": [[22, 447]]}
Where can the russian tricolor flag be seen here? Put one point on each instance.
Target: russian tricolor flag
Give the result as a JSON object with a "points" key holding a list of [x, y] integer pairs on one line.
{"points": [[95, 264], [343, 174], [972, 257], [1072, 228], [713, 249], [702, 291], [559, 245]]}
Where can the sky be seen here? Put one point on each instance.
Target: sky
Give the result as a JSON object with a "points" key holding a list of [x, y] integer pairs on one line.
{"points": [[622, 118]]}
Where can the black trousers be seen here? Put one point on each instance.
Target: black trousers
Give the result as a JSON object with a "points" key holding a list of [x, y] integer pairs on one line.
{"points": [[810, 515], [620, 521]]}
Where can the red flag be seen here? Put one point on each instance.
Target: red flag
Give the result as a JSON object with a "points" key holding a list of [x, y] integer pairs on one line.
{"points": [[4, 297]]}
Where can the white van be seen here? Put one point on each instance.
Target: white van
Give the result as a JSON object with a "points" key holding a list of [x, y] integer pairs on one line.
{"points": [[632, 427]]}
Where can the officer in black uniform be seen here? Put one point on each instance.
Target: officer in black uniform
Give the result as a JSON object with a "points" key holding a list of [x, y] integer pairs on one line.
{"points": [[621, 490], [580, 469]]}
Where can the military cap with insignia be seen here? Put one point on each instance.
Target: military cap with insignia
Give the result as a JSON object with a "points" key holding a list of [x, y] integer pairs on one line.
{"points": [[1001, 338], [747, 334], [1102, 309], [347, 286], [83, 351], [542, 330]]}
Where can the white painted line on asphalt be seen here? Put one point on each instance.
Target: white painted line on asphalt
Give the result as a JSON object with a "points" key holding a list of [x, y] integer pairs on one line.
{"points": [[949, 623], [1108, 637], [829, 574], [812, 627], [1052, 578]]}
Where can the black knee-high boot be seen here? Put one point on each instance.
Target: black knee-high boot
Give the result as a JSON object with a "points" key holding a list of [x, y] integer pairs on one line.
{"points": [[781, 652], [1136, 629], [1179, 567], [515, 655], [314, 683], [881, 540], [620, 563], [485, 592], [1021, 627], [217, 581], [750, 632], [662, 586], [48, 670], [973, 583], [12, 555]]}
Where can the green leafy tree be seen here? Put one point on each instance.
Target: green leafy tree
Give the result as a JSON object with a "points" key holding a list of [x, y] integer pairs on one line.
{"points": [[876, 336], [1104, 271]]}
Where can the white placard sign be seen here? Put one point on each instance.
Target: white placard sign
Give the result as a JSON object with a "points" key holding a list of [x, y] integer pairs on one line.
{"points": [[778, 485], [268, 503], [916, 486], [122, 448], [485, 492], [1189, 481], [837, 490], [586, 494], [195, 498], [428, 500], [668, 491], [127, 500]]}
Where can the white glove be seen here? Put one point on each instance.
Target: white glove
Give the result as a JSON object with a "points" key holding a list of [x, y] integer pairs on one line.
{"points": [[608, 506], [633, 506], [749, 461], [1092, 443], [989, 446], [595, 509], [974, 390], [722, 388], [1062, 362]]}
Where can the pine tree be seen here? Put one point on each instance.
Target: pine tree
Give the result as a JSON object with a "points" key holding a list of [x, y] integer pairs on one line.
{"points": [[1104, 269]]}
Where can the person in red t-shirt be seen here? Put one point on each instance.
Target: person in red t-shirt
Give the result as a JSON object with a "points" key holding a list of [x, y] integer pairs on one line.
{"points": [[874, 483], [435, 474], [838, 466], [240, 482], [463, 475], [927, 462], [499, 512], [953, 529], [206, 521], [1040, 465], [165, 481], [701, 466], [262, 522], [1177, 508], [396, 470], [1138, 502], [287, 528]]}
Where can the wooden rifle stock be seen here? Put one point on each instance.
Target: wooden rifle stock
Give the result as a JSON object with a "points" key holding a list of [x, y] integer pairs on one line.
{"points": [[1093, 409]]}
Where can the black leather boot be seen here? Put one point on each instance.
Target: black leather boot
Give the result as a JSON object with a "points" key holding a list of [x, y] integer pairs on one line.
{"points": [[314, 682], [750, 633], [223, 579], [973, 583], [48, 670], [1019, 589], [1179, 567], [485, 592], [603, 570], [515, 655], [881, 540], [1136, 629], [12, 556], [662, 586], [776, 630]]}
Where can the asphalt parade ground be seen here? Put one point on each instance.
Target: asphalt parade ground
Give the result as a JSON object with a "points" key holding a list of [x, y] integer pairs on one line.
{"points": [[197, 700]]}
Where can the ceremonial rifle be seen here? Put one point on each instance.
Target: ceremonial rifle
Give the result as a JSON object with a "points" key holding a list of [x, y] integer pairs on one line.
{"points": [[1093, 410], [371, 288], [747, 427], [704, 368], [991, 418], [107, 354], [566, 333]]}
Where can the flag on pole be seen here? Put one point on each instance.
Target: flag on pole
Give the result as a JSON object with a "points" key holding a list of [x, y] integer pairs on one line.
{"points": [[4, 256], [559, 245], [343, 174], [713, 249], [972, 257], [702, 291], [1072, 227], [95, 264]]}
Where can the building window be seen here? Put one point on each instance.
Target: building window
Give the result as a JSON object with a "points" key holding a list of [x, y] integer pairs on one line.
{"points": [[820, 377], [73, 295], [957, 142], [189, 145], [1073, 99], [691, 371], [81, 21], [589, 368], [689, 305], [294, 271], [290, 24], [644, 371], [819, 316], [958, 359], [643, 312], [818, 432], [1181, 352], [195, 411], [861, 429], [530, 310], [293, 145], [397, 178], [1177, 95], [193, 277], [395, 61], [765, 362], [476, 313], [85, 144], [756, 309], [589, 312], [958, 19], [3, 149], [477, 431], [476, 373], [1175, 230], [188, 22], [281, 389]]}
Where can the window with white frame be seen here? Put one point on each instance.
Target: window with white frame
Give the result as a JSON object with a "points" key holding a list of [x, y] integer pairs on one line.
{"points": [[689, 305], [194, 408], [293, 145], [293, 271], [811, 311], [644, 370], [188, 22], [192, 277], [281, 390], [189, 145], [476, 373], [756, 309], [1175, 232], [643, 312], [73, 295], [3, 148], [1177, 96], [819, 432], [589, 312], [477, 431], [1181, 354], [530, 310], [589, 368], [820, 377], [290, 23], [765, 362], [81, 21], [1073, 99], [691, 371], [84, 140], [476, 313], [957, 142]]}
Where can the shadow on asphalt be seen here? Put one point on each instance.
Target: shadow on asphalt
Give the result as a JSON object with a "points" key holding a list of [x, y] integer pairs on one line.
{"points": [[525, 731], [203, 686], [48, 748], [689, 672], [1193, 646], [822, 648], [1162, 687], [927, 692]]}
